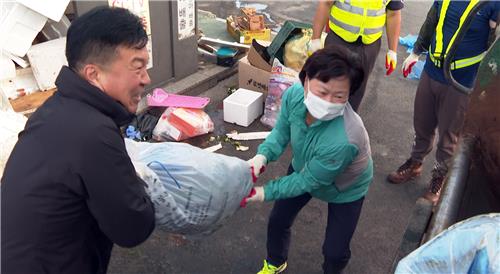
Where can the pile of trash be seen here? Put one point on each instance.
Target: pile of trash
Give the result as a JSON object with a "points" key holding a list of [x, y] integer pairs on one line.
{"points": [[32, 41], [248, 26], [182, 117]]}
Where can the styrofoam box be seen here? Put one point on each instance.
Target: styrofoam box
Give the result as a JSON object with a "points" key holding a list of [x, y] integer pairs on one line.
{"points": [[243, 107], [53, 9], [18, 28], [46, 59]]}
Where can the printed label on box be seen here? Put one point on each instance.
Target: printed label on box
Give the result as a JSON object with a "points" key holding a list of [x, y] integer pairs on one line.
{"points": [[259, 85]]}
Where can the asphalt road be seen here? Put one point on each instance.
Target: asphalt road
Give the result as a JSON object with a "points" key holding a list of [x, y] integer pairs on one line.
{"points": [[239, 246]]}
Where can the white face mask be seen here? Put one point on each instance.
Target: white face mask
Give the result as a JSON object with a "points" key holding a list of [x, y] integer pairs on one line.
{"points": [[321, 109]]}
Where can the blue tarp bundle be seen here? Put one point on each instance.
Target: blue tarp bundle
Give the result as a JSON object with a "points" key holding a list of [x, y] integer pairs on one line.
{"points": [[470, 246], [408, 41]]}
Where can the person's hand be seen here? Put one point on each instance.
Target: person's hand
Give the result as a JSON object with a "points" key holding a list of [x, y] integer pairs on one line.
{"points": [[258, 165], [256, 195], [313, 45], [391, 60], [144, 172], [408, 64]]}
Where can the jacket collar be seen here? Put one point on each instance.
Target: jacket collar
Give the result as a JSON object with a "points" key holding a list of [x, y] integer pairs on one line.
{"points": [[71, 85]]}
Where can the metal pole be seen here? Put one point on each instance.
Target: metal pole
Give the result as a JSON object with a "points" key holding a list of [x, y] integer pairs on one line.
{"points": [[447, 209]]}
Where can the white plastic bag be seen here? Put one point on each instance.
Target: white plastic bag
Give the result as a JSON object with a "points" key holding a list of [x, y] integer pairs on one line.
{"points": [[296, 50], [195, 190], [470, 246], [182, 123]]}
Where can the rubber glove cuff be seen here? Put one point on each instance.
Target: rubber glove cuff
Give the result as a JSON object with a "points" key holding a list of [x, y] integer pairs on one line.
{"points": [[391, 60], [256, 195], [257, 165]]}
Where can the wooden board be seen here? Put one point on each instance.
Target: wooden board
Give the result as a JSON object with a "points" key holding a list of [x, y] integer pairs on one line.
{"points": [[31, 102]]}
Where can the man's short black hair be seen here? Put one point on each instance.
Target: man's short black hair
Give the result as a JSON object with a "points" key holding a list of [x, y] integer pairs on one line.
{"points": [[333, 62], [95, 36]]}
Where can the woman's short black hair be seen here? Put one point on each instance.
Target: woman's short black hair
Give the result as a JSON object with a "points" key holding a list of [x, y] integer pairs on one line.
{"points": [[95, 36], [333, 62]]}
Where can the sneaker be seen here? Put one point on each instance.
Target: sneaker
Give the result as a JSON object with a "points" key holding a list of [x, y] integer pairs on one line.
{"points": [[435, 185], [271, 269], [409, 170]]}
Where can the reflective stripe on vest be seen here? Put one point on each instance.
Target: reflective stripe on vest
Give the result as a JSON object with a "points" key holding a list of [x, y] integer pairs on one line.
{"points": [[437, 56], [351, 19], [457, 64], [346, 5]]}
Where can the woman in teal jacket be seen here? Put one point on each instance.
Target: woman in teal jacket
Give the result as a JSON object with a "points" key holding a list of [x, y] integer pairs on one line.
{"points": [[331, 157]]}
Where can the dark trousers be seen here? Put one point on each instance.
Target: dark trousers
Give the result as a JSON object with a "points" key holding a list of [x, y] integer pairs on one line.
{"points": [[368, 55], [342, 221], [440, 106]]}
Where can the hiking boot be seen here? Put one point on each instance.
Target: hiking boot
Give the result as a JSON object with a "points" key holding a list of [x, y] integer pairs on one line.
{"points": [[409, 170], [271, 269], [435, 185]]}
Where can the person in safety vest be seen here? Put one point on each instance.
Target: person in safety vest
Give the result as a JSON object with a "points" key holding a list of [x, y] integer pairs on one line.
{"points": [[331, 158], [438, 104], [358, 26]]}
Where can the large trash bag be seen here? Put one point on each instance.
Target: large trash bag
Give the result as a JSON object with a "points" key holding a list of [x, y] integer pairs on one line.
{"points": [[195, 190], [296, 50], [470, 246]]}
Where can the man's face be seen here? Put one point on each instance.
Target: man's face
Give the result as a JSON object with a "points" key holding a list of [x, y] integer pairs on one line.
{"points": [[125, 78]]}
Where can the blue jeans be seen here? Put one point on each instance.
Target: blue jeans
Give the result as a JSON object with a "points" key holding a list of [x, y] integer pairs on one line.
{"points": [[342, 221]]}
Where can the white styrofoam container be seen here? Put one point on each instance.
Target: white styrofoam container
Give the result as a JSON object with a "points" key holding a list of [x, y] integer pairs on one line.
{"points": [[243, 107], [47, 59], [53, 9], [7, 68], [19, 28]]}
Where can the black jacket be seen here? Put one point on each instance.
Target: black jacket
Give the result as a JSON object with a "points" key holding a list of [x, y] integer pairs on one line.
{"points": [[69, 189]]}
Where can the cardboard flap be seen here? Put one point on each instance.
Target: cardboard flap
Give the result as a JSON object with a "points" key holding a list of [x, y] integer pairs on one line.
{"points": [[258, 56]]}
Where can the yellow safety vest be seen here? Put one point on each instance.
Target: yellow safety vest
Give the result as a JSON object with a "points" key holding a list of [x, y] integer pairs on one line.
{"points": [[351, 19], [437, 55]]}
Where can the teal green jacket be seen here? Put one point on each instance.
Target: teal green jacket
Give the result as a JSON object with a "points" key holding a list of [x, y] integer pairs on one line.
{"points": [[332, 159]]}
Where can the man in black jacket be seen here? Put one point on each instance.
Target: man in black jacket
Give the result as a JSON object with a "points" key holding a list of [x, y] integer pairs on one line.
{"points": [[69, 189]]}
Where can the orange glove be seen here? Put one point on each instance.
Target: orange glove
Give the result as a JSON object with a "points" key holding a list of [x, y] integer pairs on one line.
{"points": [[391, 60], [258, 165], [408, 64], [255, 195]]}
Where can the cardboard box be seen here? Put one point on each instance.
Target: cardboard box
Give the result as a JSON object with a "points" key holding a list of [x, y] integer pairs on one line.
{"points": [[250, 19], [246, 36], [243, 107], [252, 78]]}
